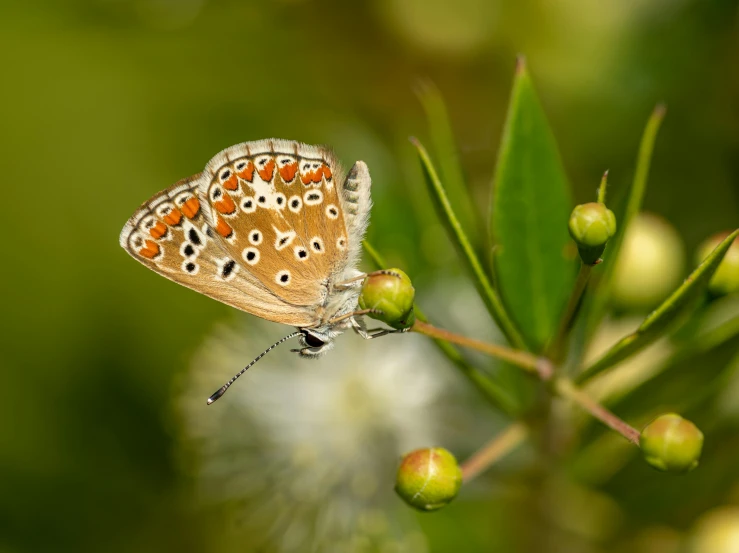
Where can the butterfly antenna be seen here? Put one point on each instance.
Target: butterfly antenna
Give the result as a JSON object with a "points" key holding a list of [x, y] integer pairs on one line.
{"points": [[225, 387]]}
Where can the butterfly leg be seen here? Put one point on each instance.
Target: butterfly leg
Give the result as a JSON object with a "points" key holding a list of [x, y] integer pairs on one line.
{"points": [[371, 333], [345, 284], [353, 314]]}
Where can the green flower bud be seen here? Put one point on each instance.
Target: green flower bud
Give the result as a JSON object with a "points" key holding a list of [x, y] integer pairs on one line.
{"points": [[726, 278], [591, 226], [671, 443], [650, 264], [391, 294], [428, 478]]}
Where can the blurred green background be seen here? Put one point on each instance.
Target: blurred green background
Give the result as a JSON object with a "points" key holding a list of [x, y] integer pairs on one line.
{"points": [[105, 102]]}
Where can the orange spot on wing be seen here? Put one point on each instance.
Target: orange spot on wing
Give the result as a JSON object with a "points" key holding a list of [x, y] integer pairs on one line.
{"points": [[327, 172], [231, 183], [173, 218], [267, 171], [226, 205], [312, 176], [191, 208], [150, 250], [158, 230], [223, 228], [287, 172], [248, 172]]}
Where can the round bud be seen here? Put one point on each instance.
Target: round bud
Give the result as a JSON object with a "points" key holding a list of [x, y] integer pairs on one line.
{"points": [[726, 278], [591, 226], [393, 295], [671, 443], [650, 264], [428, 478]]}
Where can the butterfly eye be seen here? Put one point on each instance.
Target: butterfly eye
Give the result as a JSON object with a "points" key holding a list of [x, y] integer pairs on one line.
{"points": [[313, 341]]}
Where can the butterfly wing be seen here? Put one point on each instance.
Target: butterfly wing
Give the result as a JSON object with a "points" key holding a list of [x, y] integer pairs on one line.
{"points": [[171, 235], [275, 207]]}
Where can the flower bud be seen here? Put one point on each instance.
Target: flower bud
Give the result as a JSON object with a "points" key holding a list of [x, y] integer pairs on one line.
{"points": [[726, 278], [671, 443], [650, 264], [428, 478], [591, 226], [391, 294]]}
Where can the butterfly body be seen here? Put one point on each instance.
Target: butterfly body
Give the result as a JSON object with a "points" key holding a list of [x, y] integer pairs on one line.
{"points": [[270, 227]]}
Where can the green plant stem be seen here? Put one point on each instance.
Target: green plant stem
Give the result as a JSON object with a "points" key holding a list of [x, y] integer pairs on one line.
{"points": [[557, 350], [494, 450], [542, 368], [520, 358], [565, 388]]}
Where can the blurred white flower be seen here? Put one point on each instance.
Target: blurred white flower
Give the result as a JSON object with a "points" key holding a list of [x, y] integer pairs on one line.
{"points": [[306, 451]]}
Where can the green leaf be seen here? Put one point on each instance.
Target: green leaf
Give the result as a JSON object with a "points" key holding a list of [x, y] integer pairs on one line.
{"points": [[658, 320], [531, 207], [492, 390], [458, 236], [595, 308], [442, 140]]}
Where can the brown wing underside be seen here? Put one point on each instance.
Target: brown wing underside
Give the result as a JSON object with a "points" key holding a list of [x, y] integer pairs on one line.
{"points": [[275, 208], [170, 235]]}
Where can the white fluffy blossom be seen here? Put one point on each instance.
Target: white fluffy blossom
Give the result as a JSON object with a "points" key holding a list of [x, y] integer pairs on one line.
{"points": [[304, 452]]}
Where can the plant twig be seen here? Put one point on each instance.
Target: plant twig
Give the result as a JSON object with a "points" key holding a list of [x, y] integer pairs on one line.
{"points": [[566, 389], [494, 450], [540, 367], [520, 358]]}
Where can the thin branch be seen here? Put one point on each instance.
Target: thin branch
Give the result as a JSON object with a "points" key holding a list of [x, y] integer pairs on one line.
{"points": [[497, 448], [566, 389], [540, 367], [523, 359]]}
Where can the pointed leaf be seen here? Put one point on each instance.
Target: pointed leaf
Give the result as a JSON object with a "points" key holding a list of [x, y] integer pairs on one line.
{"points": [[458, 236], [658, 320], [452, 175], [531, 207]]}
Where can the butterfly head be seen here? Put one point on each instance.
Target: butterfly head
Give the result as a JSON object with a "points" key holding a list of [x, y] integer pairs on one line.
{"points": [[315, 341]]}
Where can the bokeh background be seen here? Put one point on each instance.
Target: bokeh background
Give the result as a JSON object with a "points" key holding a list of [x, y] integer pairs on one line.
{"points": [[105, 102]]}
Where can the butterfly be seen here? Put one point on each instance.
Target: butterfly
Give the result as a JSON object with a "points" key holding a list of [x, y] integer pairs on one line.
{"points": [[270, 227]]}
